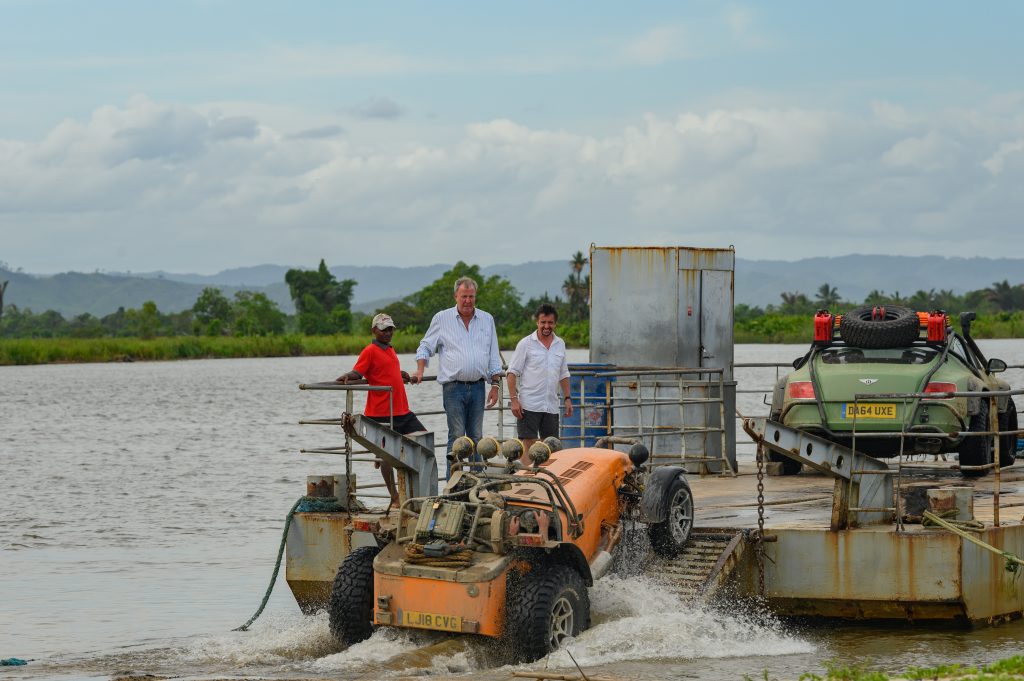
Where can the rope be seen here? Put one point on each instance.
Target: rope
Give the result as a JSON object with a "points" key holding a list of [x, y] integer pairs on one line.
{"points": [[319, 505], [1013, 562], [312, 501], [970, 525], [458, 559]]}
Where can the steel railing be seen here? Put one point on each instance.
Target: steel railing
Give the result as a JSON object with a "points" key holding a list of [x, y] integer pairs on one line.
{"points": [[666, 387]]}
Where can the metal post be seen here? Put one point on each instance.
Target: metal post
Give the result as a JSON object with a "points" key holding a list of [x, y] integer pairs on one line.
{"points": [[501, 408], [583, 410], [682, 421], [993, 425], [640, 411], [349, 491], [899, 473], [726, 466]]}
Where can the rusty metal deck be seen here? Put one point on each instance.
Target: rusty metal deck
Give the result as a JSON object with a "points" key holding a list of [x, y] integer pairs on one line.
{"points": [[805, 501], [877, 571], [873, 572]]}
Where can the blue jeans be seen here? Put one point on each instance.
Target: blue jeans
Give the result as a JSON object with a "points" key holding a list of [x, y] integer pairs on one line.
{"points": [[464, 407]]}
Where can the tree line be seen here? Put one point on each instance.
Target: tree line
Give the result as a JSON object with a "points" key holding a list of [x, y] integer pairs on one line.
{"points": [[323, 306], [1001, 296]]}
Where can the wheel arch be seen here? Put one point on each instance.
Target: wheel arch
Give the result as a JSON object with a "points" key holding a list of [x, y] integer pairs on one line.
{"points": [[653, 504], [567, 554]]}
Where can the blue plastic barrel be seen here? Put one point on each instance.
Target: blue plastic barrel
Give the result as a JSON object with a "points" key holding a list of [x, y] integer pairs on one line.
{"points": [[596, 413]]}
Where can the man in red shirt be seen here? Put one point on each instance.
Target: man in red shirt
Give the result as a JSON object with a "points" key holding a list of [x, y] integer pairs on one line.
{"points": [[378, 364]]}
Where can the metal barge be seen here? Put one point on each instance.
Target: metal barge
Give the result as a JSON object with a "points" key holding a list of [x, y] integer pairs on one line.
{"points": [[842, 540]]}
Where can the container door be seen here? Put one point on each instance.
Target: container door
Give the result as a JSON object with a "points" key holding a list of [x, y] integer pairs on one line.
{"points": [[716, 321], [688, 334]]}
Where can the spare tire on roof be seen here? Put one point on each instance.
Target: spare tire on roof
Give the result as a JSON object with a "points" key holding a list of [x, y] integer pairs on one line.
{"points": [[880, 326]]}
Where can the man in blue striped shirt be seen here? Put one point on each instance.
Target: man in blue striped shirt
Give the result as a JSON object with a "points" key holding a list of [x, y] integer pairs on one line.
{"points": [[466, 342]]}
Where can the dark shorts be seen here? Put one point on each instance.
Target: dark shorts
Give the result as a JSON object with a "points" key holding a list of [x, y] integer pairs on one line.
{"points": [[404, 424], [537, 425]]}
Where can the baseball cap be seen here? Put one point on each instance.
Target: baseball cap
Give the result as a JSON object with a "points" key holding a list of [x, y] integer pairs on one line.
{"points": [[382, 321]]}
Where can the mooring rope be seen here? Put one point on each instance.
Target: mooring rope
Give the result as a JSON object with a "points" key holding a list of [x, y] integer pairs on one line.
{"points": [[1013, 562], [947, 515], [303, 505], [461, 558]]}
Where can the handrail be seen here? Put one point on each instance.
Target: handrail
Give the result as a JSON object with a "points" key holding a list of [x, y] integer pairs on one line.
{"points": [[993, 431]]}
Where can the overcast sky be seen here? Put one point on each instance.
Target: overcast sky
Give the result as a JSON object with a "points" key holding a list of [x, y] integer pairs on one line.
{"points": [[199, 136]]}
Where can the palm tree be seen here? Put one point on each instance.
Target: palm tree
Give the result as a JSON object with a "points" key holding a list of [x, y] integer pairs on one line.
{"points": [[577, 263], [1005, 296], [574, 294], [3, 287], [828, 296], [577, 287], [794, 303]]}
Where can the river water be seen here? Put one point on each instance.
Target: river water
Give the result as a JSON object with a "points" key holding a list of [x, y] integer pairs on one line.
{"points": [[143, 506]]}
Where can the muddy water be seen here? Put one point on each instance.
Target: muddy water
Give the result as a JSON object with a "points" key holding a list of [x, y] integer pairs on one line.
{"points": [[142, 509]]}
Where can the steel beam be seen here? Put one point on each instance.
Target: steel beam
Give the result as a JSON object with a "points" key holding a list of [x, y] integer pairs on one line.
{"points": [[413, 454], [863, 492]]}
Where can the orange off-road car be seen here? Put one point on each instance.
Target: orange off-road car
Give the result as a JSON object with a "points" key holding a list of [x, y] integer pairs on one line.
{"points": [[508, 551]]}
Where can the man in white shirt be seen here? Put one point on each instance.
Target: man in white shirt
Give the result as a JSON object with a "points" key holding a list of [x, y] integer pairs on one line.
{"points": [[466, 342], [538, 368]]}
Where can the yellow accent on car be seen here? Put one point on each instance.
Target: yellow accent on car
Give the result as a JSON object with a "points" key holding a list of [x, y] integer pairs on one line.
{"points": [[430, 620], [869, 410]]}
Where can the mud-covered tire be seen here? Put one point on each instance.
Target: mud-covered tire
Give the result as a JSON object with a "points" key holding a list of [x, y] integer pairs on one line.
{"points": [[789, 466], [899, 327], [350, 612], [1008, 443], [976, 451], [668, 538], [545, 606]]}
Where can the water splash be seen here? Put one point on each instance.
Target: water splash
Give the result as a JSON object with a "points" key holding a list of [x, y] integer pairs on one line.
{"points": [[277, 639], [638, 618]]}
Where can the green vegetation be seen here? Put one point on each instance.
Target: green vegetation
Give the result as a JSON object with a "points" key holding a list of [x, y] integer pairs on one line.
{"points": [[322, 303], [251, 325], [1010, 669]]}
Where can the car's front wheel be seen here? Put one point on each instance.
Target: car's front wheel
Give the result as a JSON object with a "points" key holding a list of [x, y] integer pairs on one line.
{"points": [[976, 450], [668, 538]]}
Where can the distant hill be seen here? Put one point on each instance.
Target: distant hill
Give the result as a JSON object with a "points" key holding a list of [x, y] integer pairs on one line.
{"points": [[99, 294], [379, 284], [758, 282]]}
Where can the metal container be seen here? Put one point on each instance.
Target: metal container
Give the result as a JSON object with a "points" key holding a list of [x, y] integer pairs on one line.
{"points": [[960, 499], [669, 307], [592, 415]]}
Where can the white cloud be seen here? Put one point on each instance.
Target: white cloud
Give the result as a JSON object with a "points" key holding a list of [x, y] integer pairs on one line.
{"points": [[176, 187], [1012, 152], [658, 45]]}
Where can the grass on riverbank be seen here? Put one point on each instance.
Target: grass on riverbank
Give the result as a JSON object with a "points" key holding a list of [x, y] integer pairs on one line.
{"points": [[765, 329], [69, 350], [1009, 669]]}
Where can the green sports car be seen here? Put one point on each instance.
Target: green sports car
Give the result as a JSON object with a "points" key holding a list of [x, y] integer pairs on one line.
{"points": [[842, 389]]}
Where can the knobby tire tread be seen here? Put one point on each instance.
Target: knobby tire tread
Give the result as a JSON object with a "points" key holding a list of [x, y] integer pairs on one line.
{"points": [[900, 328], [1008, 443], [529, 605], [976, 451], [350, 612]]}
